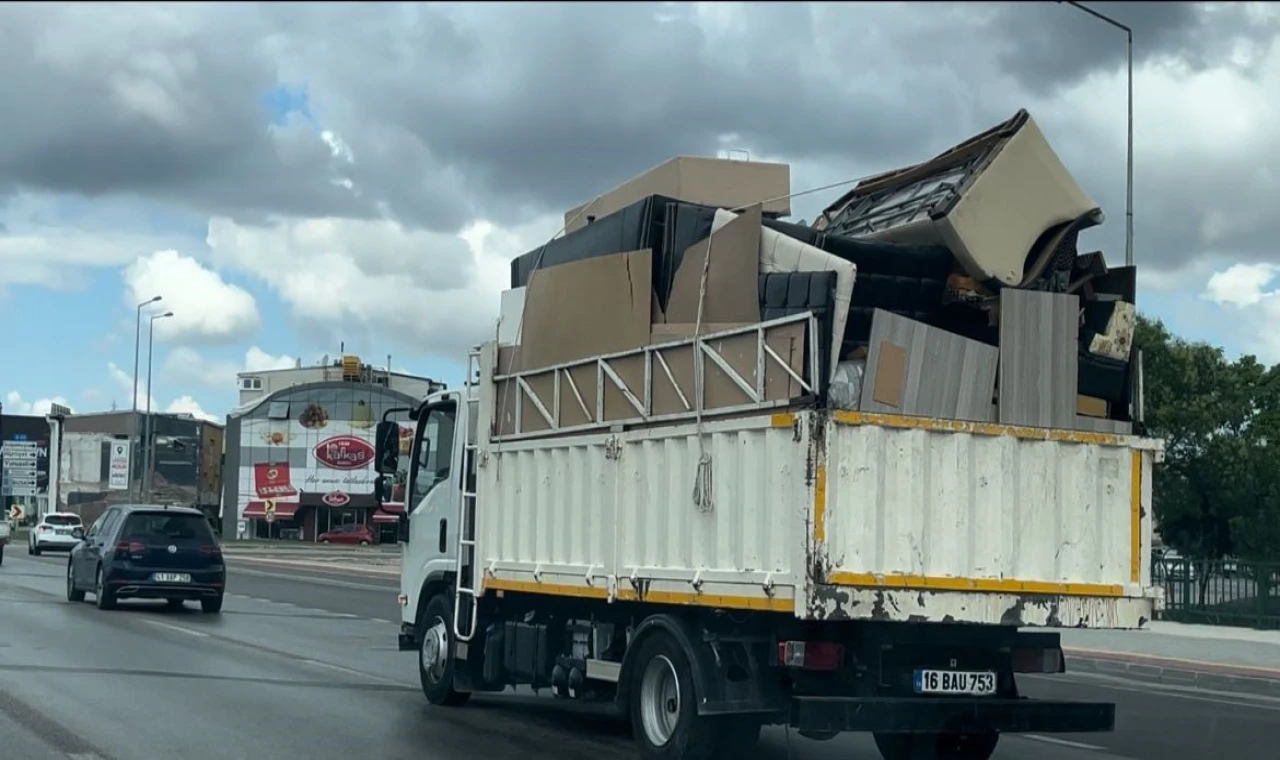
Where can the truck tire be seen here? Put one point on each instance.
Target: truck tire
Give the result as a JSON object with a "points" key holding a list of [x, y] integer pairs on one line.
{"points": [[936, 746], [435, 654], [664, 710]]}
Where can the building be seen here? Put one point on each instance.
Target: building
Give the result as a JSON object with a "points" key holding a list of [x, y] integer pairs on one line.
{"points": [[299, 456], [258, 385], [178, 462]]}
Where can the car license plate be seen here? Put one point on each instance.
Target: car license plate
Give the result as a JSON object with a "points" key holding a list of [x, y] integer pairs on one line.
{"points": [[63, 531], [980, 683], [171, 577]]}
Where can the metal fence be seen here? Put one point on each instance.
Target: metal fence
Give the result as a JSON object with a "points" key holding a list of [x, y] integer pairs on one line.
{"points": [[1220, 592]]}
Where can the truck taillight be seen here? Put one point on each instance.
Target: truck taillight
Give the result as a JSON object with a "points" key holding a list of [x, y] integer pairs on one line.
{"points": [[1037, 661], [811, 655]]}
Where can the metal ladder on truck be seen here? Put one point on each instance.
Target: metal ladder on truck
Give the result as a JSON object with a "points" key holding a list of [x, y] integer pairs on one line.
{"points": [[468, 567]]}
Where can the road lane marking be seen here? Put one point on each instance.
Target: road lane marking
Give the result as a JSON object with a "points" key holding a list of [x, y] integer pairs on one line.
{"points": [[1063, 742], [319, 581], [178, 628], [1173, 691]]}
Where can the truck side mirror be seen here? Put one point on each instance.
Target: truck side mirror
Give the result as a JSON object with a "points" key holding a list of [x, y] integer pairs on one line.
{"points": [[387, 451]]}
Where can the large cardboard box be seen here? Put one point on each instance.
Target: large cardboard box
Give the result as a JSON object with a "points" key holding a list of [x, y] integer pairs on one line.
{"points": [[709, 181]]}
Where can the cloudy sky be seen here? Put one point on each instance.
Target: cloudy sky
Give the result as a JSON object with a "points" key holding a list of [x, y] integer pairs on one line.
{"points": [[292, 176]]}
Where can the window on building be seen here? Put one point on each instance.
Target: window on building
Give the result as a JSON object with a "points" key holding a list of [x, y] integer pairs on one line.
{"points": [[250, 383], [278, 410]]}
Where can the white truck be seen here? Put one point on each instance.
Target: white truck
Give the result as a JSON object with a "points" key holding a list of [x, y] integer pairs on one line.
{"points": [[774, 563]]}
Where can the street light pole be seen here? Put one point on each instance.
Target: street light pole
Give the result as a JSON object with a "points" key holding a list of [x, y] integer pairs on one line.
{"points": [[149, 437], [1128, 206], [133, 426]]}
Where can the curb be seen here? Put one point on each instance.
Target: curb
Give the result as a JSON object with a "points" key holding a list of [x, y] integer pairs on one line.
{"points": [[372, 572], [1175, 672]]}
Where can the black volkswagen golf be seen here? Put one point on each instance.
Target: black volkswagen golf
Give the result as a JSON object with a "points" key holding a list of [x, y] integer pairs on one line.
{"points": [[148, 552]]}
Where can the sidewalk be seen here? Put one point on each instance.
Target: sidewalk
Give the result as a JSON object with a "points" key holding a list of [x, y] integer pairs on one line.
{"points": [[1211, 657]]}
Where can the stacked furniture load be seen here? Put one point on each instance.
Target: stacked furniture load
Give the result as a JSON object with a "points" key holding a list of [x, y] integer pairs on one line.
{"points": [[953, 288]]}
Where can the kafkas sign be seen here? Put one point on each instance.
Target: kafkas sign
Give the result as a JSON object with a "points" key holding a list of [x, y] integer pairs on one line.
{"points": [[344, 452]]}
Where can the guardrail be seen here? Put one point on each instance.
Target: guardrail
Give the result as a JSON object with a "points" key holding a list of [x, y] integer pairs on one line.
{"points": [[1219, 592]]}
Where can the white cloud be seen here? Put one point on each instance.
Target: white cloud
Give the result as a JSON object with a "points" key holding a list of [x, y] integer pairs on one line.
{"points": [[205, 307], [257, 360], [187, 366], [1241, 284], [434, 294], [180, 405], [124, 381], [34, 251], [188, 405], [15, 404], [1255, 303]]}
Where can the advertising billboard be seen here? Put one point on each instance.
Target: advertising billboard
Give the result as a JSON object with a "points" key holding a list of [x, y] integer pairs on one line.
{"points": [[307, 455]]}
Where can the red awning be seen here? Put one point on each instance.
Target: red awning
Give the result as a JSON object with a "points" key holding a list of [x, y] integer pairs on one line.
{"points": [[285, 510]]}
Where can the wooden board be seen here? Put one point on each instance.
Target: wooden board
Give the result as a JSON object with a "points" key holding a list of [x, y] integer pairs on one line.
{"points": [[916, 369], [1039, 370]]}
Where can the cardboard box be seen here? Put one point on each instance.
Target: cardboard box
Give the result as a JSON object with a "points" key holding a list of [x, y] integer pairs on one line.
{"points": [[708, 181], [1088, 406]]}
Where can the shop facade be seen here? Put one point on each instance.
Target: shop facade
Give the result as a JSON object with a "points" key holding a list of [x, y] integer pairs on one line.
{"points": [[299, 462]]}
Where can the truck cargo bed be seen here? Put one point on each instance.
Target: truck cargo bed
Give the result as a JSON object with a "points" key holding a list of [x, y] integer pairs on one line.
{"points": [[828, 516]]}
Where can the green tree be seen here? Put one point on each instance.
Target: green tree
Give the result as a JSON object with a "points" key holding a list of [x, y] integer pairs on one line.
{"points": [[1218, 492]]}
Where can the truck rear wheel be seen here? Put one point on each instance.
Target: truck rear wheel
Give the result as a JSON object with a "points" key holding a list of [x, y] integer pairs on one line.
{"points": [[664, 710], [936, 746], [435, 654]]}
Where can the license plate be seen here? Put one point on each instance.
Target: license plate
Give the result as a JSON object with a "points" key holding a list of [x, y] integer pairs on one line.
{"points": [[980, 683], [63, 531], [171, 577]]}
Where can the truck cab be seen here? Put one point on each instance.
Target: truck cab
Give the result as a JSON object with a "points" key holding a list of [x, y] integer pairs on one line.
{"points": [[432, 500]]}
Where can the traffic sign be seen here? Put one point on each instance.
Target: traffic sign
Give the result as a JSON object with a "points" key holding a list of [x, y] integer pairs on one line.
{"points": [[269, 509]]}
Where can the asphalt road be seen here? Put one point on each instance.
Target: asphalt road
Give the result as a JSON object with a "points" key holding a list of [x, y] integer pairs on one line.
{"points": [[303, 664]]}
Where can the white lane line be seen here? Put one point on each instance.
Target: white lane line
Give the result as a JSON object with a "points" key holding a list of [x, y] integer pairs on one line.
{"points": [[1063, 742], [1173, 691], [380, 620], [84, 756], [178, 628]]}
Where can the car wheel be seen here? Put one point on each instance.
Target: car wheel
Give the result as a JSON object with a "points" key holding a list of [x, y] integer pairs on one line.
{"points": [[326, 541], [73, 594], [1, 554], [35, 549], [211, 604], [435, 655], [364, 543], [106, 598]]}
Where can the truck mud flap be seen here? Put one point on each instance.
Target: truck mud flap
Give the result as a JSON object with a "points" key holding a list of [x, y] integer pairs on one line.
{"points": [[968, 715], [407, 640]]}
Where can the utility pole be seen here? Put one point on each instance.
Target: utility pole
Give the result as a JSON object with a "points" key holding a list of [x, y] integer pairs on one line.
{"points": [[1128, 192], [133, 423]]}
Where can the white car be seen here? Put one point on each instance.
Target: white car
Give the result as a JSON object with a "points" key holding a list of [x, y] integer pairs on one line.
{"points": [[54, 532]]}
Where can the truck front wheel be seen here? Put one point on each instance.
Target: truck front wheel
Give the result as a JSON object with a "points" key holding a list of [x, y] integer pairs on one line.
{"points": [[664, 710], [936, 746], [435, 654]]}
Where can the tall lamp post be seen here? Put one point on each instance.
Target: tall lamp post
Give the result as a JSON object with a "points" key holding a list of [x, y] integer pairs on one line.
{"points": [[133, 427], [148, 442], [1128, 205]]}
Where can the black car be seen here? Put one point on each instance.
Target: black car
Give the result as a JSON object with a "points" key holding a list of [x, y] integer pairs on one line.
{"points": [[148, 552]]}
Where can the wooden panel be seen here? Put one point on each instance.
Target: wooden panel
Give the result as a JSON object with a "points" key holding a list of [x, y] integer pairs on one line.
{"points": [[942, 375], [1038, 364]]}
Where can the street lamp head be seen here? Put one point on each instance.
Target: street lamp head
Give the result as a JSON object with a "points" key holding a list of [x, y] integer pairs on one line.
{"points": [[166, 314], [157, 298]]}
